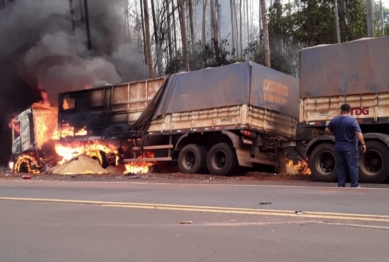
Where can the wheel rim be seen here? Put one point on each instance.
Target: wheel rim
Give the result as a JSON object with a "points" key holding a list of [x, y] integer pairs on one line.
{"points": [[219, 159], [189, 159], [371, 162], [325, 163]]}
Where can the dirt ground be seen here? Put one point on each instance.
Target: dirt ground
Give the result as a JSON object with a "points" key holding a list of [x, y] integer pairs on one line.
{"points": [[179, 177], [166, 174]]}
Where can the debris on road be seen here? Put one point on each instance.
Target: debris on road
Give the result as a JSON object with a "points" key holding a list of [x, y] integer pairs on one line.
{"points": [[132, 176], [265, 203], [298, 212], [186, 222], [26, 176]]}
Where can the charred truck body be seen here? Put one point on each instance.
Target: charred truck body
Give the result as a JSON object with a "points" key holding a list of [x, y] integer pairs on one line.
{"points": [[32, 133], [356, 73], [216, 119]]}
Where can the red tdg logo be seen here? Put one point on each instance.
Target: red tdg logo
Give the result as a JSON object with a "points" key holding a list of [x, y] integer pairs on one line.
{"points": [[357, 111]]}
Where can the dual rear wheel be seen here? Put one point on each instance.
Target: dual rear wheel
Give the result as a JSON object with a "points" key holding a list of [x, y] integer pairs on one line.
{"points": [[373, 164], [219, 160]]}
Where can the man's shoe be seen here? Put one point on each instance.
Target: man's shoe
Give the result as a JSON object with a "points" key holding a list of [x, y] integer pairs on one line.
{"points": [[356, 186]]}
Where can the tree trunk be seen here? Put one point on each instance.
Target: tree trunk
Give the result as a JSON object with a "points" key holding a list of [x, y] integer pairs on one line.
{"points": [[143, 32], [248, 22], [279, 40], [81, 12], [240, 28], [158, 49], [370, 18], [232, 26], [219, 14], [183, 33], [147, 39], [87, 24], [192, 32], [174, 28], [265, 33], [169, 32], [127, 19], [382, 19], [203, 22], [337, 21], [71, 14], [215, 31], [260, 23], [236, 30], [252, 18]]}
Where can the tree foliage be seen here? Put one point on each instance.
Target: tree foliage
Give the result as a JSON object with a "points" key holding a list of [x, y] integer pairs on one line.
{"points": [[306, 23], [202, 56]]}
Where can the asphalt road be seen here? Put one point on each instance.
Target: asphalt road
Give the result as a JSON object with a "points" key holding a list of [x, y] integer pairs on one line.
{"points": [[142, 221]]}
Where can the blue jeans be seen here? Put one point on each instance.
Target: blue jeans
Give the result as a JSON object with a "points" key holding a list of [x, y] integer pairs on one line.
{"points": [[348, 164]]}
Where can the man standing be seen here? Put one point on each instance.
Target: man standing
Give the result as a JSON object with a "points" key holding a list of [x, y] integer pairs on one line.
{"points": [[347, 133]]}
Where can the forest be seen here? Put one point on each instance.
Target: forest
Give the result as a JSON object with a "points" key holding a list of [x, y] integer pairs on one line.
{"points": [[193, 34]]}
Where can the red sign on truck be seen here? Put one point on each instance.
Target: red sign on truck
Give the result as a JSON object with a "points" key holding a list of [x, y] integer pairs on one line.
{"points": [[357, 111]]}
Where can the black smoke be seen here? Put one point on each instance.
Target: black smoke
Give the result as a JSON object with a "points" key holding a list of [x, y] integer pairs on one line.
{"points": [[43, 46]]}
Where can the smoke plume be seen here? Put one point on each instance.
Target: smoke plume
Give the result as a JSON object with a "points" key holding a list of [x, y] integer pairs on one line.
{"points": [[43, 45]]}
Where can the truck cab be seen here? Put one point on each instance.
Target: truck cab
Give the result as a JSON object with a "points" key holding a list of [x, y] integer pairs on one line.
{"points": [[32, 133]]}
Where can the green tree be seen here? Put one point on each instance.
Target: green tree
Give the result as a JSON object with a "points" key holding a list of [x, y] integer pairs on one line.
{"points": [[306, 23], [202, 56]]}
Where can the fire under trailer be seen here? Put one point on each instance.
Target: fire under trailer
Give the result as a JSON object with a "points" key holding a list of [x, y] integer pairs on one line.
{"points": [[213, 120]]}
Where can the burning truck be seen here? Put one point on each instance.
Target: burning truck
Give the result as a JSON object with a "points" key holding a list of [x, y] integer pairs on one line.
{"points": [[219, 119], [213, 120]]}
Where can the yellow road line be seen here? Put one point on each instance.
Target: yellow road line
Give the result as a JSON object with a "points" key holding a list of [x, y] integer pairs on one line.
{"points": [[210, 209]]}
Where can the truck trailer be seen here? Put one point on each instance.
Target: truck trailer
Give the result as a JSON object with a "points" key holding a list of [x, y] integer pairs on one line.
{"points": [[355, 73], [215, 119]]}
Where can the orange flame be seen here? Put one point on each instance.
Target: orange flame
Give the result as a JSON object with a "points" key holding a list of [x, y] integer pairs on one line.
{"points": [[74, 149], [27, 160], [82, 132], [68, 131], [15, 126], [65, 105], [139, 167], [301, 167]]}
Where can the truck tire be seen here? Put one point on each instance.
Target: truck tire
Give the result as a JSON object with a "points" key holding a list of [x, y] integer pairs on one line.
{"points": [[322, 163], [221, 160], [192, 159], [374, 163], [101, 157], [23, 166], [104, 161]]}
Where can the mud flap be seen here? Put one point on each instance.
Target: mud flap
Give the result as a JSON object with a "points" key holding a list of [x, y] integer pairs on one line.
{"points": [[244, 157], [281, 163]]}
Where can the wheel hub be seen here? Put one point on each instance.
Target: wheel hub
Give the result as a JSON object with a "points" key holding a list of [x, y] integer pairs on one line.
{"points": [[189, 160], [326, 163], [219, 159], [372, 162]]}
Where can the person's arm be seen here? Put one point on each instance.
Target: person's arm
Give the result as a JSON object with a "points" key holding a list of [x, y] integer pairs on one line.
{"points": [[361, 140], [329, 132], [358, 134], [329, 129]]}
